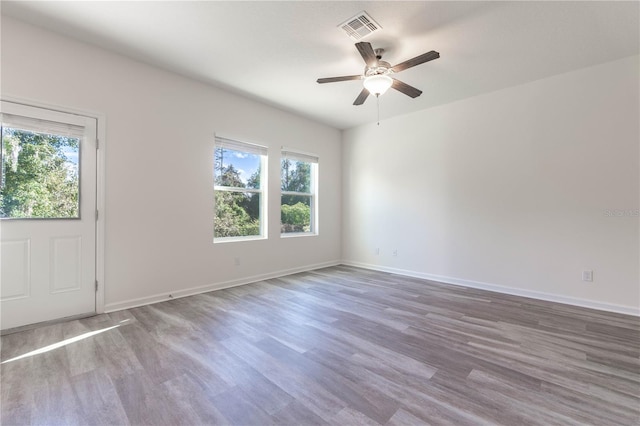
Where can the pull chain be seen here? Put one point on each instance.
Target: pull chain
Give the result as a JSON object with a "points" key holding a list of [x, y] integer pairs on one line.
{"points": [[378, 105]]}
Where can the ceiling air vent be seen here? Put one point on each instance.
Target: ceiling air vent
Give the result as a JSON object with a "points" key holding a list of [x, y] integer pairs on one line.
{"points": [[360, 26]]}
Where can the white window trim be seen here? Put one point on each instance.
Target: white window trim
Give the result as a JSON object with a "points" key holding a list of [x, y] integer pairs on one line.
{"points": [[220, 142], [293, 154]]}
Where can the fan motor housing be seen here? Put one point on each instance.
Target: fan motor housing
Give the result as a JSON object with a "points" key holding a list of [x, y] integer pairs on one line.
{"points": [[381, 68]]}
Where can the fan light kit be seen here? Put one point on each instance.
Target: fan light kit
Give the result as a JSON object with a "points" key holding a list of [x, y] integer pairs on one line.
{"points": [[377, 84]]}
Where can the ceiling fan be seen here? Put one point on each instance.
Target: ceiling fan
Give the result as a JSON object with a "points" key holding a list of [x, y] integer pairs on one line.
{"points": [[376, 76]]}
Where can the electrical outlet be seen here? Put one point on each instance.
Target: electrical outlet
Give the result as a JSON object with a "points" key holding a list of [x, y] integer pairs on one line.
{"points": [[237, 261], [587, 276], [395, 252], [377, 251]]}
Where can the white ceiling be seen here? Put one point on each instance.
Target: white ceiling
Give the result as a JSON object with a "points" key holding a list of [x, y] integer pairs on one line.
{"points": [[275, 51]]}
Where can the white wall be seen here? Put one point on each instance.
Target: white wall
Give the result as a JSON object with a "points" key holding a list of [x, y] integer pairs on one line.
{"points": [[507, 190], [159, 153]]}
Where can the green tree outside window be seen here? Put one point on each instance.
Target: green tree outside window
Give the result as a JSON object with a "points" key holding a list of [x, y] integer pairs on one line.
{"points": [[39, 176]]}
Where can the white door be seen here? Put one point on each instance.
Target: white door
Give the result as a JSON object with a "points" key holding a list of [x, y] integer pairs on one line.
{"points": [[47, 215]]}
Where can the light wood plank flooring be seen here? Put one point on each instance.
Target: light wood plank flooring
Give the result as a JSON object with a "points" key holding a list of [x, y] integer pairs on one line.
{"points": [[335, 346]]}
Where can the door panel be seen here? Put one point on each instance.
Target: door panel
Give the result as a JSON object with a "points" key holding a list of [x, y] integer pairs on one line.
{"points": [[48, 228], [15, 277], [66, 264]]}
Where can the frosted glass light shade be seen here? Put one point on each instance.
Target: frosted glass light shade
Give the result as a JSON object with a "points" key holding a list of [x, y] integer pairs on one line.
{"points": [[377, 84]]}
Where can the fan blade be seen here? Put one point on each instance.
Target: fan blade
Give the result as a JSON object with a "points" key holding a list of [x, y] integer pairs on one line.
{"points": [[406, 89], [367, 53], [361, 97], [343, 78], [425, 57]]}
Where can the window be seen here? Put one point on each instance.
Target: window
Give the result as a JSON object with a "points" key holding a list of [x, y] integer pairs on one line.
{"points": [[40, 176], [298, 207], [240, 176]]}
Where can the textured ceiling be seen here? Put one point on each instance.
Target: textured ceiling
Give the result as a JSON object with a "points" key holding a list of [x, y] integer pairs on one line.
{"points": [[274, 51]]}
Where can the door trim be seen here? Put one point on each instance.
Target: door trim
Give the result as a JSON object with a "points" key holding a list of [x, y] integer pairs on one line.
{"points": [[100, 182]]}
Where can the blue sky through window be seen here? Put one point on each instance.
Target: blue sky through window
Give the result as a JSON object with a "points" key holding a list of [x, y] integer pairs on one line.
{"points": [[245, 163]]}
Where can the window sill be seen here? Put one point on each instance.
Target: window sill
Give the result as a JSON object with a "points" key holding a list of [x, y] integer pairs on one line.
{"points": [[299, 234], [223, 240]]}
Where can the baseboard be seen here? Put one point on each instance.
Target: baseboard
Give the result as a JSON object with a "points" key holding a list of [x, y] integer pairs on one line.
{"points": [[608, 307], [163, 297]]}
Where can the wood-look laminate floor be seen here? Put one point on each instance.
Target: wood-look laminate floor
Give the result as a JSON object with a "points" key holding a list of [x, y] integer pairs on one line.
{"points": [[335, 346]]}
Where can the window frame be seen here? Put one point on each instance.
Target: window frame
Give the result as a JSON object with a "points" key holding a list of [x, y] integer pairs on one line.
{"points": [[248, 148], [313, 160]]}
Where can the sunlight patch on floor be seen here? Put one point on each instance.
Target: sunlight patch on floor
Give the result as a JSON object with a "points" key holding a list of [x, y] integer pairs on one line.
{"points": [[63, 343]]}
